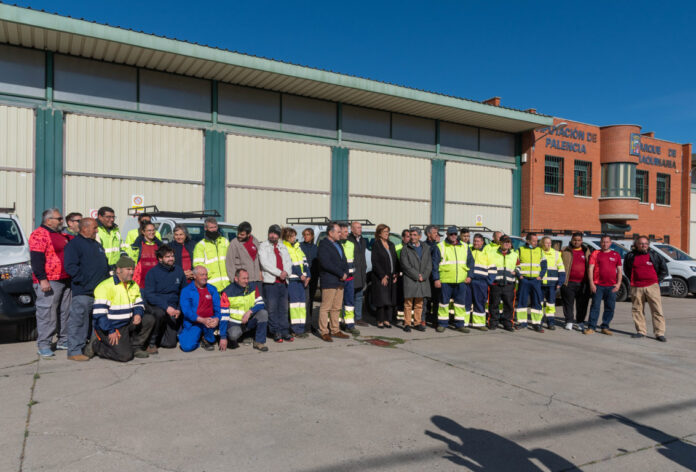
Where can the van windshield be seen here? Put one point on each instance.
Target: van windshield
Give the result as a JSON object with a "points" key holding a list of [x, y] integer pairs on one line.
{"points": [[674, 253], [196, 231], [9, 233]]}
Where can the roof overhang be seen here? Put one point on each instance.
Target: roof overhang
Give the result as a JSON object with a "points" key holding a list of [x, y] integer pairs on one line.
{"points": [[50, 32]]}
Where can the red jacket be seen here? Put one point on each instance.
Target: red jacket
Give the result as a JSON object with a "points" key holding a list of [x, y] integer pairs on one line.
{"points": [[44, 260]]}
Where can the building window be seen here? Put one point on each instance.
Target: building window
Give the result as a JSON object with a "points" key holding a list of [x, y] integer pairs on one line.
{"points": [[619, 180], [553, 175], [582, 181], [663, 189], [642, 178]]}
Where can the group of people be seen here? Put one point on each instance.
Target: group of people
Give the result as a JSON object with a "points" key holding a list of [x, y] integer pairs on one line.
{"points": [[122, 298]]}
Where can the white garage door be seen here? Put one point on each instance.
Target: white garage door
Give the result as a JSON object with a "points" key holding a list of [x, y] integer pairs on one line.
{"points": [[17, 163], [271, 180], [388, 188], [107, 161], [472, 190]]}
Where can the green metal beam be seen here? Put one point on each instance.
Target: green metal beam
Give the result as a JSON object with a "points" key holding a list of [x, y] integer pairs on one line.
{"points": [[48, 183], [437, 192], [215, 171], [339, 183], [517, 188]]}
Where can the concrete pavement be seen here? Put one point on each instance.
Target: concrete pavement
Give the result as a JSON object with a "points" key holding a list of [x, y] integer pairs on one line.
{"points": [[480, 401]]}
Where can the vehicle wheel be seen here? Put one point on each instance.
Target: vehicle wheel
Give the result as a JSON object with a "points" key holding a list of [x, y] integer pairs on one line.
{"points": [[26, 330], [679, 288], [622, 294]]}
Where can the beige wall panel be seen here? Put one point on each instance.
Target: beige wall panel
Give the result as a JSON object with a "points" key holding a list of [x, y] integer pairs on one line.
{"points": [[497, 219], [388, 175], [271, 163], [263, 208], [127, 148], [16, 137], [475, 183], [17, 188], [85, 193], [398, 214]]}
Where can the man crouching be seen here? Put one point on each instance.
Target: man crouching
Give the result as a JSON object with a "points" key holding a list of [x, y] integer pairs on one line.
{"points": [[200, 305], [243, 310], [120, 325]]}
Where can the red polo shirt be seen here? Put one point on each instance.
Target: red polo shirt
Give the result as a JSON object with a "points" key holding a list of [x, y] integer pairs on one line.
{"points": [[605, 264], [644, 273], [577, 267]]}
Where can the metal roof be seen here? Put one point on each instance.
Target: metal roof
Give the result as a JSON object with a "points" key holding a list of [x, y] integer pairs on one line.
{"points": [[60, 34]]}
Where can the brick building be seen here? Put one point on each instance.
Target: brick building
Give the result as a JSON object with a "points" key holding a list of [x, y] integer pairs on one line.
{"points": [[577, 176]]}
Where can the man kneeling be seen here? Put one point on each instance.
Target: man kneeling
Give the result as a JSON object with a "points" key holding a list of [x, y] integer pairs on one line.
{"points": [[120, 325], [200, 305], [242, 310]]}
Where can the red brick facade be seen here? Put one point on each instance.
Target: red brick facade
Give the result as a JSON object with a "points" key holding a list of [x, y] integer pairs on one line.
{"points": [[543, 209]]}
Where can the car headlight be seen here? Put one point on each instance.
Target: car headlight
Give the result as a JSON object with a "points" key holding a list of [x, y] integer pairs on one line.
{"points": [[693, 268], [11, 271]]}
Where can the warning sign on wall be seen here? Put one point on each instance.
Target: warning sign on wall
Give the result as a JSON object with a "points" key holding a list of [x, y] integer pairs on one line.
{"points": [[137, 201], [479, 220]]}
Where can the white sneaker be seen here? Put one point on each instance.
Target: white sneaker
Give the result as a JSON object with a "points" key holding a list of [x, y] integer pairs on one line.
{"points": [[569, 326]]}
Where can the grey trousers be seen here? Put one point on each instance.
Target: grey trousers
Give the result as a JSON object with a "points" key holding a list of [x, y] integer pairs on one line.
{"points": [[79, 323], [52, 311]]}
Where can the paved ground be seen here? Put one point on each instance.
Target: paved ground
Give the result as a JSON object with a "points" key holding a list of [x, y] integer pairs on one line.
{"points": [[481, 401]]}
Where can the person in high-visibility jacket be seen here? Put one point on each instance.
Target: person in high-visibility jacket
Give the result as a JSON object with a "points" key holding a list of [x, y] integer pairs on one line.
{"points": [[109, 236], [242, 310], [132, 235], [504, 260], [405, 239], [494, 245], [210, 252], [531, 269], [349, 288], [121, 326], [452, 261], [482, 276], [298, 280], [552, 281]]}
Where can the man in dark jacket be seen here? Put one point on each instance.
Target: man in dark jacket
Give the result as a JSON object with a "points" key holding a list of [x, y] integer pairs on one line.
{"points": [[645, 269], [360, 272], [333, 274], [85, 262], [163, 285], [431, 304]]}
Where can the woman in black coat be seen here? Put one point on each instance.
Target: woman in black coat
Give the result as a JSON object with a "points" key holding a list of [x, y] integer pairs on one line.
{"points": [[183, 250], [385, 269]]}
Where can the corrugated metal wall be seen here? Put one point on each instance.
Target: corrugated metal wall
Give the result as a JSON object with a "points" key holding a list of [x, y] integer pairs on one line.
{"points": [[472, 190], [402, 182], [17, 162], [692, 229], [107, 161], [270, 180]]}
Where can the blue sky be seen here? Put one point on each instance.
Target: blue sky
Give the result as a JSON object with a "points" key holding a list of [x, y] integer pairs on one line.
{"points": [[599, 62]]}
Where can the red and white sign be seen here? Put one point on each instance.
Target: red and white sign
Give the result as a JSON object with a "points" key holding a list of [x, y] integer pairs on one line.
{"points": [[137, 201], [93, 213]]}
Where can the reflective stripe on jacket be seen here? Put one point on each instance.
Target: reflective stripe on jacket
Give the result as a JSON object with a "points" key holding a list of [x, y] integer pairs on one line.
{"points": [[211, 255], [532, 263], [555, 270], [299, 261], [505, 266], [115, 303]]}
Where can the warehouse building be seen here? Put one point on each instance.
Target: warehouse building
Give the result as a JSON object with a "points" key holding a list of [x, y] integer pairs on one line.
{"points": [[92, 115], [578, 176]]}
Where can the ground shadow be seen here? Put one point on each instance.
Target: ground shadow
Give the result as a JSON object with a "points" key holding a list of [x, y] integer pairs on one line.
{"points": [[482, 450], [670, 447]]}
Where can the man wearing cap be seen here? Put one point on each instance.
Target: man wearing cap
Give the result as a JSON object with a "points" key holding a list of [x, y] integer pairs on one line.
{"points": [[275, 267], [121, 327], [452, 262]]}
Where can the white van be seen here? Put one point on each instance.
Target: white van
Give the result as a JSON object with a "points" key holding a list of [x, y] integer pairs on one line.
{"points": [[681, 267], [16, 291]]}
